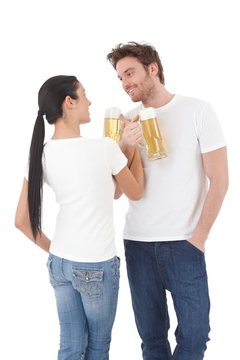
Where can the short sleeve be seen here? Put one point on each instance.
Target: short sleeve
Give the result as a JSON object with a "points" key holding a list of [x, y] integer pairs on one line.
{"points": [[26, 171], [115, 157], [209, 131]]}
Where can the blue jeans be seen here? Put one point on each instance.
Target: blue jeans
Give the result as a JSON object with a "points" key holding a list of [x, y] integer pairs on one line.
{"points": [[86, 297], [179, 267]]}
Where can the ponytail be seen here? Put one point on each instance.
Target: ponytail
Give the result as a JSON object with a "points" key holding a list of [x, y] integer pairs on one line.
{"points": [[35, 175], [51, 96]]}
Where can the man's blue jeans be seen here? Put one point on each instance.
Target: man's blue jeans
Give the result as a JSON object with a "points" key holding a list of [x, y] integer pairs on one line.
{"points": [[179, 267], [86, 296]]}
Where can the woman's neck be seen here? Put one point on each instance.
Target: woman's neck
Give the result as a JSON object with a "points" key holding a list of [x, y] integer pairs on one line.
{"points": [[63, 130]]}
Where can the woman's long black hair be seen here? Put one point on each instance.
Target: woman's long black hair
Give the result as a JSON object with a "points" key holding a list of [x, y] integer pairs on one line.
{"points": [[50, 100]]}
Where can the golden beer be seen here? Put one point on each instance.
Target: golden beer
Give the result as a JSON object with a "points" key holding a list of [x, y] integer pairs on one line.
{"points": [[152, 134], [112, 124]]}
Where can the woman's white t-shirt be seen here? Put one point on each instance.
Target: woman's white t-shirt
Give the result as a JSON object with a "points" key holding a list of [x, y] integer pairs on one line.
{"points": [[79, 170]]}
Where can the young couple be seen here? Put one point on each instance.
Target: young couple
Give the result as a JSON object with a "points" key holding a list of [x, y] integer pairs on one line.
{"points": [[173, 203]]}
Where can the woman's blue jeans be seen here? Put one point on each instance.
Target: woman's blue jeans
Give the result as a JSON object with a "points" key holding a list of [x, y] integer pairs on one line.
{"points": [[86, 296], [179, 267]]}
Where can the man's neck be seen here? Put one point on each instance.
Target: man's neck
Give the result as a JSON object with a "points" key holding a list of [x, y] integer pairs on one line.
{"points": [[160, 98]]}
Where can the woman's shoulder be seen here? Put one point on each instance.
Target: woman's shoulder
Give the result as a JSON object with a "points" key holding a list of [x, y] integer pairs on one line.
{"points": [[104, 142]]}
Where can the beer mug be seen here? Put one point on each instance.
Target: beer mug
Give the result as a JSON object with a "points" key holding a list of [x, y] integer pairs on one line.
{"points": [[152, 134], [112, 124]]}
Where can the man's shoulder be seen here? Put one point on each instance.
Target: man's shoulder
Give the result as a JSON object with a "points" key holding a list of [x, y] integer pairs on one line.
{"points": [[192, 100]]}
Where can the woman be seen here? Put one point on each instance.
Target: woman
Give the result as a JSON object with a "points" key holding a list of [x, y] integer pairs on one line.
{"points": [[83, 266]]}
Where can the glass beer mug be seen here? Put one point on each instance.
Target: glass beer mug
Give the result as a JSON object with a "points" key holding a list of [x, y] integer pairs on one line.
{"points": [[112, 124], [151, 134]]}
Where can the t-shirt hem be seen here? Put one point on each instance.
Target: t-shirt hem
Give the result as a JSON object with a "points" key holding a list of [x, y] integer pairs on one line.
{"points": [[157, 238], [83, 259]]}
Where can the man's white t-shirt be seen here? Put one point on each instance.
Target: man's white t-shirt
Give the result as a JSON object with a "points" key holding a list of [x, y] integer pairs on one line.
{"points": [[79, 170], [176, 186]]}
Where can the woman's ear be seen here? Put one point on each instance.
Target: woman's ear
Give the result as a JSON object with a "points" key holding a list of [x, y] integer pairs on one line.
{"points": [[69, 102]]}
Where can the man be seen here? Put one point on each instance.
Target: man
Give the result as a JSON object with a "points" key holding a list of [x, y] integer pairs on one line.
{"points": [[165, 232]]}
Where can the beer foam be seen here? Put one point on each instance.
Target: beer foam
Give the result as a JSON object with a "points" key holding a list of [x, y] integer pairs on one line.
{"points": [[112, 113], [147, 113]]}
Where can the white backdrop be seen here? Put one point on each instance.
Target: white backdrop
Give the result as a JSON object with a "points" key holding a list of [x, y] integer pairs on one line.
{"points": [[198, 44]]}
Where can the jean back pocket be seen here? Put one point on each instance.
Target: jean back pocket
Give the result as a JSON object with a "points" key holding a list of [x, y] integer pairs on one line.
{"points": [[88, 282]]}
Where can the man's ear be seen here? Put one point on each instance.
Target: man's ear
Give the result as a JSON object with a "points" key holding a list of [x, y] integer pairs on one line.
{"points": [[153, 68]]}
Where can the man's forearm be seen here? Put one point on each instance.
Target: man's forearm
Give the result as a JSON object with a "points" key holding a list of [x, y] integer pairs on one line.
{"points": [[210, 211]]}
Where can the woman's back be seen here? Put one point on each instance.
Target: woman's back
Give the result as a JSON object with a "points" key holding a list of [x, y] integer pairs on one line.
{"points": [[79, 170]]}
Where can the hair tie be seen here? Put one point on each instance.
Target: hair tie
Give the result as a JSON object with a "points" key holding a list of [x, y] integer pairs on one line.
{"points": [[40, 113]]}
